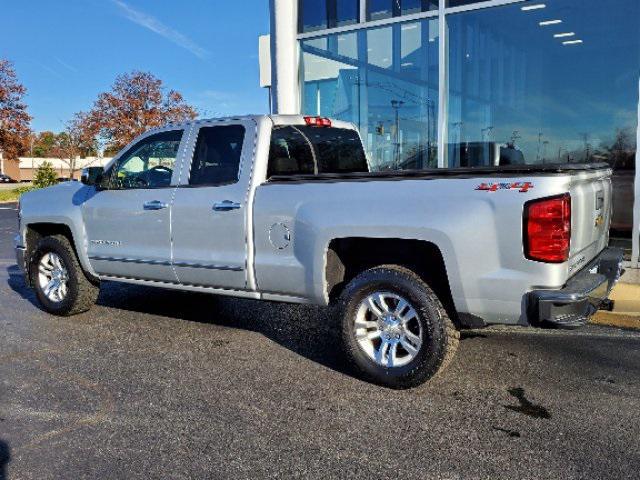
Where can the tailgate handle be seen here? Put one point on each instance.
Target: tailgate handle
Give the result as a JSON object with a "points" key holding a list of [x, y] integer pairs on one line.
{"points": [[600, 200]]}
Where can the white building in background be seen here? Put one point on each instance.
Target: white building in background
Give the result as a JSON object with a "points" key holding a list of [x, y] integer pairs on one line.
{"points": [[28, 166], [467, 83]]}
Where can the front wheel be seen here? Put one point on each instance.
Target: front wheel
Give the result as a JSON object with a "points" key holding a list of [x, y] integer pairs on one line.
{"points": [[61, 286], [394, 328]]}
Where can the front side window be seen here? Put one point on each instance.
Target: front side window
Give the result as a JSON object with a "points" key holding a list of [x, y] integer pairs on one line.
{"points": [[148, 164], [217, 156]]}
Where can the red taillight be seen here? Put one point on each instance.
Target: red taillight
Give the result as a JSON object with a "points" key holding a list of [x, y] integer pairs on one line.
{"points": [[547, 229], [317, 121]]}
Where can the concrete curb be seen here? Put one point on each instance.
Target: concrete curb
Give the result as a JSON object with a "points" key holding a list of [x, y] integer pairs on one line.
{"points": [[626, 312], [612, 319]]}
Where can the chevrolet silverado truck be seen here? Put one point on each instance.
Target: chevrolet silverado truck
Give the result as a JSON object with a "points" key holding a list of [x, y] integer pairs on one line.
{"points": [[286, 209]]}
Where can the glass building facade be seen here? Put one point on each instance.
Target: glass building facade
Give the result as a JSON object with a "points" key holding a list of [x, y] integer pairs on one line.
{"points": [[462, 83], [522, 82]]}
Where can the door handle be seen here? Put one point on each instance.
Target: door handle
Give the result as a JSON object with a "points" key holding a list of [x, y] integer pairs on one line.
{"points": [[155, 205], [226, 206]]}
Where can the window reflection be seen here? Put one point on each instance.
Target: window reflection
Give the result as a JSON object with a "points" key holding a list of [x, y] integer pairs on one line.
{"points": [[313, 15], [553, 85], [385, 80], [347, 12]]}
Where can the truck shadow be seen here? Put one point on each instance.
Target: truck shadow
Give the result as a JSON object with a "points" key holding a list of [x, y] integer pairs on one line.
{"points": [[303, 329]]}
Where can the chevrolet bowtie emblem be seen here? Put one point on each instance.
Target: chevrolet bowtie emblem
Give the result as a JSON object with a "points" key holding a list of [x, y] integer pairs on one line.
{"points": [[599, 220]]}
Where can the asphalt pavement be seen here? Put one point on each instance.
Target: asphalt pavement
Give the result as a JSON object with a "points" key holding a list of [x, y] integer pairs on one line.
{"points": [[160, 384]]}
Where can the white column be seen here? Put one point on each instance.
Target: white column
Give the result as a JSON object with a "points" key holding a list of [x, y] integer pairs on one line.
{"points": [[635, 255], [285, 56]]}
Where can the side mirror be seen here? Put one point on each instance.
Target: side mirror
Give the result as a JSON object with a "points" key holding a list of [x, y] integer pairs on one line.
{"points": [[92, 175]]}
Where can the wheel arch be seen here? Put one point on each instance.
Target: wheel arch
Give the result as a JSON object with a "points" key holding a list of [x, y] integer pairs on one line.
{"points": [[37, 230], [349, 256]]}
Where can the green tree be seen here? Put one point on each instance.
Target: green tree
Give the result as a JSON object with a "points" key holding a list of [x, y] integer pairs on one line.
{"points": [[43, 144], [45, 176]]}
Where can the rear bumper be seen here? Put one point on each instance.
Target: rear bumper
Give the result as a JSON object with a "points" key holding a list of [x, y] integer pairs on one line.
{"points": [[583, 295]]}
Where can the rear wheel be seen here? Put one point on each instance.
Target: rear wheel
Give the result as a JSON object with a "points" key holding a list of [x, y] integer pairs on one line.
{"points": [[394, 328], [61, 286]]}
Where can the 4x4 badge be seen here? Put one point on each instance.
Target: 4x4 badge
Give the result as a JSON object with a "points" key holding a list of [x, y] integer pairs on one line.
{"points": [[522, 187]]}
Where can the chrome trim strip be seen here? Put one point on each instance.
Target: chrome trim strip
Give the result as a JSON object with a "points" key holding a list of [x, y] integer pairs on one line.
{"points": [[207, 266], [141, 261]]}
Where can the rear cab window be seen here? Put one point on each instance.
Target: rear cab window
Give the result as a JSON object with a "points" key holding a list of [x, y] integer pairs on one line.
{"points": [[308, 150]]}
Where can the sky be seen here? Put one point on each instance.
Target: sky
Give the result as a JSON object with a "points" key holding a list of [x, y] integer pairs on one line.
{"points": [[66, 52]]}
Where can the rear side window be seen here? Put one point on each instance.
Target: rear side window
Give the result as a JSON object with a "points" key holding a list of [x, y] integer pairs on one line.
{"points": [[337, 150], [302, 150], [216, 160], [290, 153]]}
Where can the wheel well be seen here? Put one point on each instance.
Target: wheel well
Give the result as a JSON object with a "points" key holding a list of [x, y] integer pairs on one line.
{"points": [[347, 257], [36, 231]]}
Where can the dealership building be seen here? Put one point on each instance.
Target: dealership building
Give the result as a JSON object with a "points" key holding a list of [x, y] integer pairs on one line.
{"points": [[464, 83]]}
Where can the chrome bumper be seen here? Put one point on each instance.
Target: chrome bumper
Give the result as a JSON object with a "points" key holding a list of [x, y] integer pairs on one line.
{"points": [[584, 294]]}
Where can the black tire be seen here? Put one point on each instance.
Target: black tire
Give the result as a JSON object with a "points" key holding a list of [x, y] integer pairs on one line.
{"points": [[81, 292], [440, 337]]}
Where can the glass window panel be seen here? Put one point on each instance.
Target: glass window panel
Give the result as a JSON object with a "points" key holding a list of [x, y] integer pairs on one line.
{"points": [[380, 47], [379, 9], [217, 155], [337, 150], [330, 67], [384, 80], [313, 15], [416, 6], [543, 91], [148, 164], [458, 3], [347, 12], [290, 153]]}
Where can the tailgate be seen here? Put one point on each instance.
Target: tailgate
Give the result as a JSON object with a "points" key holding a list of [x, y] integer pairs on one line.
{"points": [[591, 207]]}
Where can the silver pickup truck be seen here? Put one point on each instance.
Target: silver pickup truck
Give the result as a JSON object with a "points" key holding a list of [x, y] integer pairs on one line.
{"points": [[284, 208]]}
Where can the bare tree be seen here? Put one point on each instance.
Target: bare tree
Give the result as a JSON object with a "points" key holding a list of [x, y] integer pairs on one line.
{"points": [[77, 141]]}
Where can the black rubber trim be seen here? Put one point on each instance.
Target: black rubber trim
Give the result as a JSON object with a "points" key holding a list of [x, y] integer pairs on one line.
{"points": [[437, 173], [207, 266]]}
